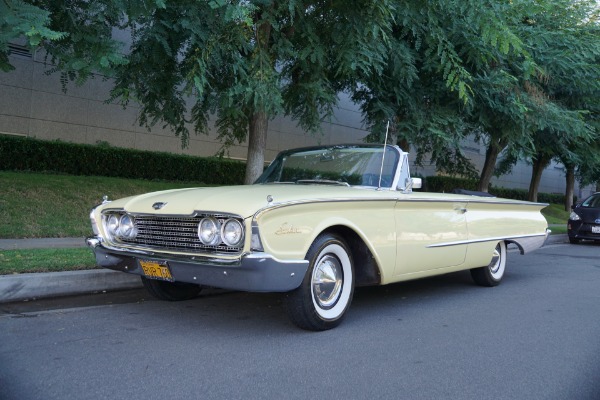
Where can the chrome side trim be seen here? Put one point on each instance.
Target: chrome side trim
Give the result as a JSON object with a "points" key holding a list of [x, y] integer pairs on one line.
{"points": [[273, 206], [526, 243]]}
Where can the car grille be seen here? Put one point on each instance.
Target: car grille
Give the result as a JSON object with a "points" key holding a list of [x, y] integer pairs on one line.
{"points": [[175, 234]]}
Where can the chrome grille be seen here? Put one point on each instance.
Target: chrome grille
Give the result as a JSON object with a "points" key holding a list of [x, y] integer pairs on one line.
{"points": [[175, 234]]}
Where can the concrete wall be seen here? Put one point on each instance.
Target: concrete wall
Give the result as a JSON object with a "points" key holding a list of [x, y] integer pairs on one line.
{"points": [[33, 104]]}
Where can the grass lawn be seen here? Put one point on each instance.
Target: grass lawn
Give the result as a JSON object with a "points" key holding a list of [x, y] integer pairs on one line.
{"points": [[45, 260], [34, 205], [556, 214]]}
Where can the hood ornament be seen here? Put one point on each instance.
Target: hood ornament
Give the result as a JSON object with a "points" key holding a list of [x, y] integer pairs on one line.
{"points": [[158, 205], [269, 200]]}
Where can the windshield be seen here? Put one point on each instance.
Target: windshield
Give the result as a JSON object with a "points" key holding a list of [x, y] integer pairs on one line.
{"points": [[342, 165], [592, 202]]}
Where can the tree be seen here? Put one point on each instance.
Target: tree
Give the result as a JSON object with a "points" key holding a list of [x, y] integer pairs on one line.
{"points": [[565, 46], [431, 81], [243, 62]]}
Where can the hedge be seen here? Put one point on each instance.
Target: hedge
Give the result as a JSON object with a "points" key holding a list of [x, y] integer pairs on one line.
{"points": [[26, 154], [446, 184]]}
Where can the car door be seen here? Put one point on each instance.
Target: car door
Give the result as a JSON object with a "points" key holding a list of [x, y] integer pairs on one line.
{"points": [[429, 234]]}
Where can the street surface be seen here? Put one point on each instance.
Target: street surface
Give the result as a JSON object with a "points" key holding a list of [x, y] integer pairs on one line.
{"points": [[536, 336]]}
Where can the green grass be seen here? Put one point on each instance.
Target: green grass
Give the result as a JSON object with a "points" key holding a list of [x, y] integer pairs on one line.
{"points": [[556, 214], [45, 260], [34, 205]]}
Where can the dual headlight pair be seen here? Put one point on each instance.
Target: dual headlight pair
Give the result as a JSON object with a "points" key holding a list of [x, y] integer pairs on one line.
{"points": [[211, 231]]}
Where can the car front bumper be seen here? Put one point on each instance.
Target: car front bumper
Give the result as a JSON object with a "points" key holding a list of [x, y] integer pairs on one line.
{"points": [[252, 272], [582, 230]]}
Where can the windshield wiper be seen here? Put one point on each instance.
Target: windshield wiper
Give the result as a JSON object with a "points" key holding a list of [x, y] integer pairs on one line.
{"points": [[321, 182]]}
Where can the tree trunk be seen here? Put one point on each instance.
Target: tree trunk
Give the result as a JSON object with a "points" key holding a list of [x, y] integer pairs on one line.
{"points": [[259, 120], [539, 165], [491, 155], [570, 190], [257, 142]]}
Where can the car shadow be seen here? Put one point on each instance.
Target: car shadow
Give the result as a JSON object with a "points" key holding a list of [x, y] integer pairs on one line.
{"points": [[223, 311]]}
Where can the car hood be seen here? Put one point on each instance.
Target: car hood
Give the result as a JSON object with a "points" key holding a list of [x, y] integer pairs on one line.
{"points": [[240, 200], [246, 200]]}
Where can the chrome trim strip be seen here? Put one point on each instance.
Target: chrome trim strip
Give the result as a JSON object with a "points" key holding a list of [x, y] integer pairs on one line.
{"points": [[97, 241], [192, 215], [491, 239], [273, 206]]}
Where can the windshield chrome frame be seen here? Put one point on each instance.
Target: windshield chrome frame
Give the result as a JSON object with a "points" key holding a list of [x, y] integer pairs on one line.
{"points": [[396, 174]]}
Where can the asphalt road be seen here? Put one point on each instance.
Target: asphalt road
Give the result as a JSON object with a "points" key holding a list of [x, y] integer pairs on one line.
{"points": [[536, 336]]}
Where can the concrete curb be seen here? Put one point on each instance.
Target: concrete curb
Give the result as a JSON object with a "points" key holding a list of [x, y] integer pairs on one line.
{"points": [[20, 287]]}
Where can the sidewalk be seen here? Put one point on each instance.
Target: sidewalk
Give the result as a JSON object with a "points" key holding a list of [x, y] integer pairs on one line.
{"points": [[19, 287]]}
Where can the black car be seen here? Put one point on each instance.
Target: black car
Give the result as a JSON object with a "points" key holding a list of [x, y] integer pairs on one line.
{"points": [[584, 221]]}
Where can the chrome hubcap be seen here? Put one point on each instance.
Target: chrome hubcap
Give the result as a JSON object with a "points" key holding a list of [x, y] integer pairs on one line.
{"points": [[327, 281], [495, 264]]}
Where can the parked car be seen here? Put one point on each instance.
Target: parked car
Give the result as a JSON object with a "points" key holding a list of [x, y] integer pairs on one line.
{"points": [[584, 221], [319, 222]]}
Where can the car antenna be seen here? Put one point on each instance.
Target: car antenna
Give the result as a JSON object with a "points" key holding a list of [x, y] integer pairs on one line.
{"points": [[383, 157]]}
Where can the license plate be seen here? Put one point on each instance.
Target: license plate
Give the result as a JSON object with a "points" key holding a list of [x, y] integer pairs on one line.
{"points": [[595, 229], [156, 270]]}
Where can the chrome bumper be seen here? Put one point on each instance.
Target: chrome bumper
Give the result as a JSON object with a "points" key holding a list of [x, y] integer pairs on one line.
{"points": [[253, 272]]}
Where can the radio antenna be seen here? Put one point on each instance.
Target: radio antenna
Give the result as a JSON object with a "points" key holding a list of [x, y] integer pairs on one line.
{"points": [[383, 156]]}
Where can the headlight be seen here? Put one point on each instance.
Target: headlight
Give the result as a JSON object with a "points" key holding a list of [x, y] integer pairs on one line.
{"points": [[127, 227], [208, 231], [112, 225], [232, 232], [574, 217]]}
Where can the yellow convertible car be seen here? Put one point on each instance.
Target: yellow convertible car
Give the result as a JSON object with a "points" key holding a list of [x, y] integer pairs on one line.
{"points": [[319, 222]]}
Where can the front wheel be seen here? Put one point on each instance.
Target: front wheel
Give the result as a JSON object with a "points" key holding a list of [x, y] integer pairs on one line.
{"points": [[328, 286], [171, 291], [493, 273]]}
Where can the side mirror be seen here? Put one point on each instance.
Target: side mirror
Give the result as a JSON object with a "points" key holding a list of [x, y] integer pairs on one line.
{"points": [[417, 183]]}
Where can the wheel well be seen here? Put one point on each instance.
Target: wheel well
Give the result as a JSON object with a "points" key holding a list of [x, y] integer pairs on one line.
{"points": [[365, 267]]}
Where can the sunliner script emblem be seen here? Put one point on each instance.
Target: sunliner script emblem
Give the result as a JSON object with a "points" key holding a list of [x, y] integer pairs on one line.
{"points": [[287, 229], [158, 205]]}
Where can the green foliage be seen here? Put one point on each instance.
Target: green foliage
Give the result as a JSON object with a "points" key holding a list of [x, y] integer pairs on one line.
{"points": [[521, 75], [24, 154], [18, 19], [446, 184]]}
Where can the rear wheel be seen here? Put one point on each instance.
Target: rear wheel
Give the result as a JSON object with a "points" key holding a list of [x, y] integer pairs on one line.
{"points": [[494, 272], [325, 294], [171, 291]]}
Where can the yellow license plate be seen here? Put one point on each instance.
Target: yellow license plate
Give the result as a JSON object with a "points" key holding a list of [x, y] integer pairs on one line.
{"points": [[156, 270]]}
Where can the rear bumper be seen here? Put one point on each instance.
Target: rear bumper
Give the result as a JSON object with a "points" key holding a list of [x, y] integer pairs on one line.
{"points": [[253, 272]]}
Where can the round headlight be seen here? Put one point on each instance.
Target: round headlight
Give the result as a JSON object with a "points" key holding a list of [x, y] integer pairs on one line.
{"points": [[112, 224], [208, 231], [232, 233], [127, 227]]}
